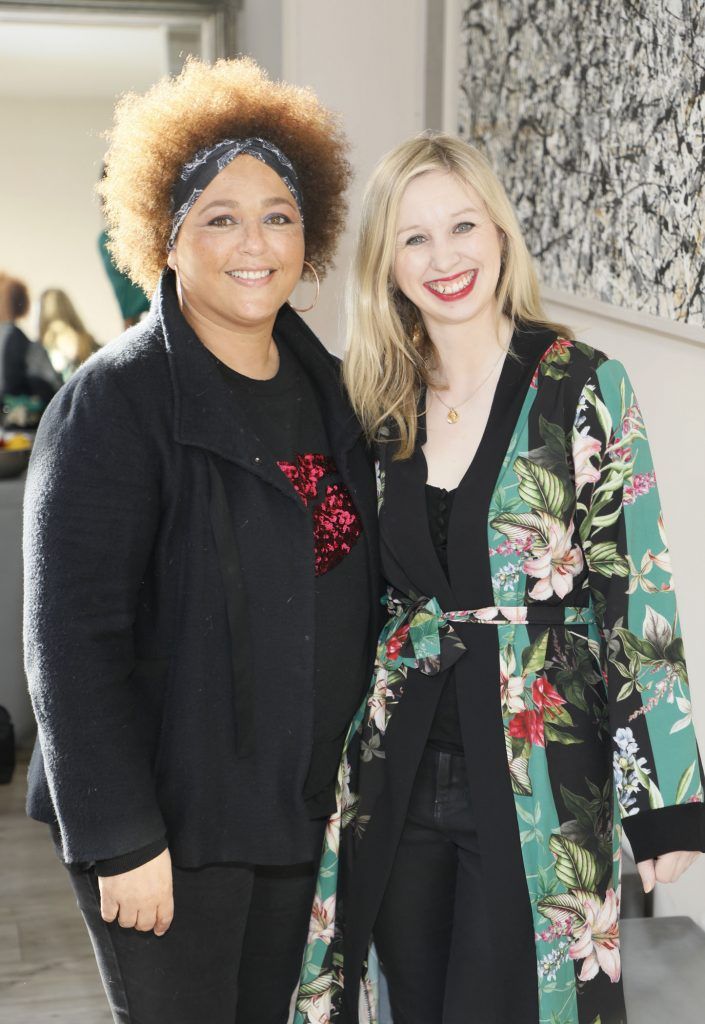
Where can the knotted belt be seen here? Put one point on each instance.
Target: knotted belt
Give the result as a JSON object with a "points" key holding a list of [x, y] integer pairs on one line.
{"points": [[420, 635]]}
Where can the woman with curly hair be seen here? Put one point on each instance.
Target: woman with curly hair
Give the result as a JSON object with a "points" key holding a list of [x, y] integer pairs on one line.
{"points": [[201, 580], [530, 699]]}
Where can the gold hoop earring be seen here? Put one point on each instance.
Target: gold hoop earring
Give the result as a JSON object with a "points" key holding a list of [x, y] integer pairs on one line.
{"points": [[306, 309]]}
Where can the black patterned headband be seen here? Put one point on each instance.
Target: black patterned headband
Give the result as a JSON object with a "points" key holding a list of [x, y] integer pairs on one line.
{"points": [[200, 171]]}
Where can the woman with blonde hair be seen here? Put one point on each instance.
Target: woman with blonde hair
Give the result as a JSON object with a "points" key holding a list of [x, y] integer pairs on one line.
{"points": [[62, 333], [201, 559], [530, 687]]}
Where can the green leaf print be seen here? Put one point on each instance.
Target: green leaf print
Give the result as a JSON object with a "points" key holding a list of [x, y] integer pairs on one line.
{"points": [[685, 781], [554, 735], [533, 658], [559, 907], [540, 489], [606, 560], [675, 655], [554, 372], [425, 635], [514, 524], [626, 691], [518, 768], [657, 648], [603, 414], [575, 867], [636, 647], [317, 987], [655, 798], [554, 437]]}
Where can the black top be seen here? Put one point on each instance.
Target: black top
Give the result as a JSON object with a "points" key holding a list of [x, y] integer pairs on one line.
{"points": [[285, 413], [445, 730]]}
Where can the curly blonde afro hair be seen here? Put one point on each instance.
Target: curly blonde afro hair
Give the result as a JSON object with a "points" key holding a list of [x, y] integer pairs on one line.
{"points": [[153, 135]]}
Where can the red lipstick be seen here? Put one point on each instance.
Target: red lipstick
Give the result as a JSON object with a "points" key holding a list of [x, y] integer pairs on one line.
{"points": [[452, 296]]}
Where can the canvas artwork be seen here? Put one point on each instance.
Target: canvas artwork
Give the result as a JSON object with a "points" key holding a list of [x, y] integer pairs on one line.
{"points": [[593, 114]]}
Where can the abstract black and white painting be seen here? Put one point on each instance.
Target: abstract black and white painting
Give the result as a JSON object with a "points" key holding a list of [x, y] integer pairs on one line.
{"points": [[593, 114]]}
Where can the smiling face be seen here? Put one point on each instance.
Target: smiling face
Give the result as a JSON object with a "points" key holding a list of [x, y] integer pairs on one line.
{"points": [[240, 251], [448, 251]]}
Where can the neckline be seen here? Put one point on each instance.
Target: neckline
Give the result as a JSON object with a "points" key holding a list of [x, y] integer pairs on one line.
{"points": [[285, 379], [441, 490], [511, 356]]}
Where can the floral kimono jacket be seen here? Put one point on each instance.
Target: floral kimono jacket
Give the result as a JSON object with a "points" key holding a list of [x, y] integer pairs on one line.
{"points": [[559, 622]]}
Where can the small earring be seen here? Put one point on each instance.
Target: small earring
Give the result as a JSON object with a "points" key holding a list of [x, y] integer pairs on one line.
{"points": [[318, 290]]}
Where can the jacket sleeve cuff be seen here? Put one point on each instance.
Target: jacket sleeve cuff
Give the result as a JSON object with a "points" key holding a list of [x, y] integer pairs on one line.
{"points": [[666, 829], [129, 861]]}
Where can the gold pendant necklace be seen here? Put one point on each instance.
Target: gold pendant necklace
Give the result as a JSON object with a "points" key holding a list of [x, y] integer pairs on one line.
{"points": [[453, 414]]}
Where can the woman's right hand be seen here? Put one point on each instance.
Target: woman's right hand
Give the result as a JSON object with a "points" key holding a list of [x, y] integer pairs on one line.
{"points": [[142, 898]]}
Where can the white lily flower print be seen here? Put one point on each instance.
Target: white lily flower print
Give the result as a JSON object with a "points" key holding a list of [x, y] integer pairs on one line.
{"points": [[378, 701], [584, 449], [319, 1009], [556, 563], [322, 922], [685, 708], [511, 686], [597, 939]]}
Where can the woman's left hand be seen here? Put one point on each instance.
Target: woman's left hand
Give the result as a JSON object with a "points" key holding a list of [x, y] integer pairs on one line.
{"points": [[667, 868]]}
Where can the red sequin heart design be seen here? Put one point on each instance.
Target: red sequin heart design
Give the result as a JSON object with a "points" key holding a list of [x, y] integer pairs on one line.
{"points": [[336, 525], [307, 472]]}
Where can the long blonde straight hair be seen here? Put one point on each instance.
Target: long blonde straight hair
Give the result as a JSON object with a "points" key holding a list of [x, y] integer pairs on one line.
{"points": [[390, 357]]}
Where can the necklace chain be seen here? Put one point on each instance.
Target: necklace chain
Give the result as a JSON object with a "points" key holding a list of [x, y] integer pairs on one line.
{"points": [[453, 414]]}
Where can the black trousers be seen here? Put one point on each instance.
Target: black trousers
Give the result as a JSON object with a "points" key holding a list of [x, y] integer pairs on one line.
{"points": [[231, 956], [431, 933]]}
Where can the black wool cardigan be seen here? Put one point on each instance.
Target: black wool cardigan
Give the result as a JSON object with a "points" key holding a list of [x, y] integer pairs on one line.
{"points": [[169, 568]]}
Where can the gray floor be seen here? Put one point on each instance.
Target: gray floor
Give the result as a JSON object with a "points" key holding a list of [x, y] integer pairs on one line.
{"points": [[47, 971]]}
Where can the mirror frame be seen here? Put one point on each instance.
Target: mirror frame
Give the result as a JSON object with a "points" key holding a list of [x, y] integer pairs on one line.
{"points": [[223, 12]]}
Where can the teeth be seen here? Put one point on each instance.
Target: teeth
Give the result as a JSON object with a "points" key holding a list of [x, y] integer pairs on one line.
{"points": [[250, 275], [451, 287]]}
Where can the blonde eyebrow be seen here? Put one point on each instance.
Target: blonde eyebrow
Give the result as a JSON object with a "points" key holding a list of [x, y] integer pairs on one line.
{"points": [[420, 227]]}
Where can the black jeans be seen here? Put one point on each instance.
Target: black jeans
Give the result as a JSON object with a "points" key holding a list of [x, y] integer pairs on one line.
{"points": [[430, 934], [231, 956]]}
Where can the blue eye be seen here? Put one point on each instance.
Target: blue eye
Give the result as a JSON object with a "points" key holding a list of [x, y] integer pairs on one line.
{"points": [[464, 226], [415, 240]]}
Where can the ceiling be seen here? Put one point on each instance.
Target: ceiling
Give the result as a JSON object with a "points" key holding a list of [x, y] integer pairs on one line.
{"points": [[80, 60]]}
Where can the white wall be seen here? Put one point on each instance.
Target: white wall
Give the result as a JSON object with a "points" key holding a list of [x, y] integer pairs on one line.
{"points": [[364, 60], [49, 216], [259, 33]]}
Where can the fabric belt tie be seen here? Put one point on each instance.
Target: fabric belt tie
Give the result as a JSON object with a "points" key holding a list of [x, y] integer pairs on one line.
{"points": [[421, 636]]}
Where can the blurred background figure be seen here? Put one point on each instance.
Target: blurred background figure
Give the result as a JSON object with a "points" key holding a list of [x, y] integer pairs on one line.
{"points": [[27, 378], [131, 299], [62, 333]]}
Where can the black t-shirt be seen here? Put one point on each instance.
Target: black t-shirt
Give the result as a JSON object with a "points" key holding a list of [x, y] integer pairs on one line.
{"points": [[285, 415]]}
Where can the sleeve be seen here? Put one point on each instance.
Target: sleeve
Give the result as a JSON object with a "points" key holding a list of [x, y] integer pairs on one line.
{"points": [[658, 776], [130, 861], [92, 508]]}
